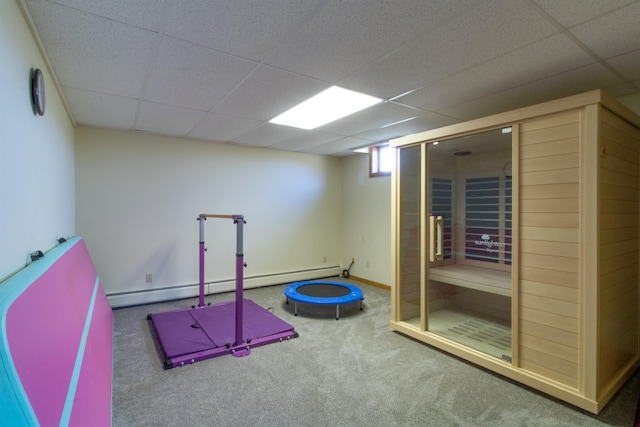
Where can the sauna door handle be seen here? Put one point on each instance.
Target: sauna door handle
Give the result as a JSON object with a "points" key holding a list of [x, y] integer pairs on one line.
{"points": [[436, 236]]}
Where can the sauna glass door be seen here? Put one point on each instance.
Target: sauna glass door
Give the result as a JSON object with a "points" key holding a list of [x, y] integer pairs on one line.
{"points": [[468, 240], [409, 250]]}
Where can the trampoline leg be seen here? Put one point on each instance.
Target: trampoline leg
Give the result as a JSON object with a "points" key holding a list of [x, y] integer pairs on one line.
{"points": [[295, 308], [337, 311]]}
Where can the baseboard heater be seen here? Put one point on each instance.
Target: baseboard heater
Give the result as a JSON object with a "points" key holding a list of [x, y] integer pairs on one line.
{"points": [[147, 296]]}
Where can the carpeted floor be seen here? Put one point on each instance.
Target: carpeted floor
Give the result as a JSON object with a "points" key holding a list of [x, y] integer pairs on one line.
{"points": [[350, 372]]}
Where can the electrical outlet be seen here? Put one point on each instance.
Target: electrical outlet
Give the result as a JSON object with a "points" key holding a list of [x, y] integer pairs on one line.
{"points": [[149, 278]]}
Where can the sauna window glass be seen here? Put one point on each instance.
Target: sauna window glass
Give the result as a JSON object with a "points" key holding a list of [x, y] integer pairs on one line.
{"points": [[442, 205], [468, 198], [488, 219], [409, 234]]}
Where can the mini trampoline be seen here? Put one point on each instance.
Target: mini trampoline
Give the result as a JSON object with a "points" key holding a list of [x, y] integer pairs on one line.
{"points": [[323, 293]]}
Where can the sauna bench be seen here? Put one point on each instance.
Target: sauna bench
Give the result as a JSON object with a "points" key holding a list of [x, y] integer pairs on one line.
{"points": [[466, 276]]}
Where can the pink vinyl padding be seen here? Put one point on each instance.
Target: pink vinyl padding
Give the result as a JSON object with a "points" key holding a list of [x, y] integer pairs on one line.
{"points": [[45, 329], [93, 397]]}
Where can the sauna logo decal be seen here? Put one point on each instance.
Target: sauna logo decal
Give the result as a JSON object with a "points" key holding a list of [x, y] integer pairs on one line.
{"points": [[491, 245]]}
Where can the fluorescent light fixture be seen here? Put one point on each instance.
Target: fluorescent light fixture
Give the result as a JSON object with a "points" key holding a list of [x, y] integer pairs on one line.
{"points": [[506, 130], [327, 106]]}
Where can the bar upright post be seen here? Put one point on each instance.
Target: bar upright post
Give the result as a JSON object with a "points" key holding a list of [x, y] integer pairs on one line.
{"points": [[201, 219], [239, 221]]}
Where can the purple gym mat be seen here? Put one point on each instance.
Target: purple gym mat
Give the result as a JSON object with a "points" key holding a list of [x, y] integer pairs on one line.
{"points": [[206, 331], [176, 335], [195, 330]]}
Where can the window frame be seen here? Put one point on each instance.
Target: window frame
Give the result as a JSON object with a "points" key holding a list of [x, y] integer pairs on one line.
{"points": [[375, 160]]}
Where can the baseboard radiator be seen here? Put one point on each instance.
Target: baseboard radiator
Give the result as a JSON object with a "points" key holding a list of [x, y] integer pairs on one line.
{"points": [[147, 296]]}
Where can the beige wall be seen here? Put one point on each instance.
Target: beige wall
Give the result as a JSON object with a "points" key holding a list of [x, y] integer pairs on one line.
{"points": [[36, 153], [138, 197], [135, 197], [366, 221]]}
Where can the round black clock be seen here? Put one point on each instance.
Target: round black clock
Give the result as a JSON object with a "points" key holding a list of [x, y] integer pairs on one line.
{"points": [[37, 92]]}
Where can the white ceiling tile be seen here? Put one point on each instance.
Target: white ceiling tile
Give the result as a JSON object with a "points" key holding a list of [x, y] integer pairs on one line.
{"points": [[193, 76], [420, 123], [486, 31], [613, 34], [452, 60], [305, 140], [623, 88], [268, 92], [102, 110], [318, 48], [167, 119], [96, 54], [248, 28], [338, 146], [218, 127], [631, 101], [628, 64], [533, 62], [376, 116], [570, 13], [572, 82], [266, 135], [148, 14]]}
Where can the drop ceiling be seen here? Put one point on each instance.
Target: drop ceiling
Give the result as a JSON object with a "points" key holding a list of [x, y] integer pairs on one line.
{"points": [[219, 70]]}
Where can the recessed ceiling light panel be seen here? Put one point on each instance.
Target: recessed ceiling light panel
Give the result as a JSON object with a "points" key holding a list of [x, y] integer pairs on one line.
{"points": [[327, 106]]}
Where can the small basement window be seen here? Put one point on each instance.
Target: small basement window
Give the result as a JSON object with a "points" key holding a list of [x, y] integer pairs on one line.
{"points": [[380, 160]]}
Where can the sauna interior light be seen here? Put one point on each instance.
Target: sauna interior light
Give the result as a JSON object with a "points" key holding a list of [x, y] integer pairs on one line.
{"points": [[327, 106]]}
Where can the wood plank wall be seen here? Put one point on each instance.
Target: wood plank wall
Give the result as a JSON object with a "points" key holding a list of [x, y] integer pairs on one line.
{"points": [[619, 233], [549, 196]]}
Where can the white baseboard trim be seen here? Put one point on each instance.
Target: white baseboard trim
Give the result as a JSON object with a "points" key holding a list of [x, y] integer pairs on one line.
{"points": [[125, 299]]}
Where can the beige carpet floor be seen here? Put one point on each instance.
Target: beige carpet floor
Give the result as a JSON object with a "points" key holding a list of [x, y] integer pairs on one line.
{"points": [[350, 372]]}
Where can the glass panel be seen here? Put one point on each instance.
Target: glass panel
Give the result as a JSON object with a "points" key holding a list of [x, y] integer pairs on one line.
{"points": [[442, 205], [409, 175], [468, 192]]}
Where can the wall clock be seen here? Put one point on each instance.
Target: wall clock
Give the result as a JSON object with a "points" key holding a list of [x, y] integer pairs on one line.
{"points": [[37, 92]]}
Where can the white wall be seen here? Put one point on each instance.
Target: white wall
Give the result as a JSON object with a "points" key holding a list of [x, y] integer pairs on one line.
{"points": [[138, 197], [36, 153], [366, 222]]}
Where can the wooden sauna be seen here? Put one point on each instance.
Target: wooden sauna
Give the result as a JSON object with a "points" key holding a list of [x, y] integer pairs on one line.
{"points": [[516, 244]]}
